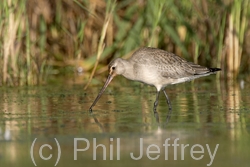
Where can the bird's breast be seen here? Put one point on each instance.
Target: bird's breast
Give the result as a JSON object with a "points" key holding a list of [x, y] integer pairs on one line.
{"points": [[146, 73]]}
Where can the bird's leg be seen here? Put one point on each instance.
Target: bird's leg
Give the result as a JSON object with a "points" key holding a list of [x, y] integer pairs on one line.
{"points": [[169, 106], [168, 101], [156, 101], [156, 117]]}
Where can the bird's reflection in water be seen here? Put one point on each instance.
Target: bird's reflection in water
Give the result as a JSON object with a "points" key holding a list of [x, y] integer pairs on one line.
{"points": [[168, 117], [156, 115]]}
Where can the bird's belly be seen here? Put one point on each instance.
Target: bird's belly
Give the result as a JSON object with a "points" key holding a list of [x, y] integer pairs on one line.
{"points": [[149, 75], [152, 77]]}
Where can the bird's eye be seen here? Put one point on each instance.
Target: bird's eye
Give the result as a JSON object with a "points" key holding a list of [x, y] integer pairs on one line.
{"points": [[113, 68]]}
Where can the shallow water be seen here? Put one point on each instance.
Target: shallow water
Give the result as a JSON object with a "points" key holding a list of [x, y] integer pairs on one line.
{"points": [[210, 121]]}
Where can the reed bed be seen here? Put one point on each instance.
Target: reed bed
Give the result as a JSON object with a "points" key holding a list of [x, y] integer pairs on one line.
{"points": [[42, 38]]}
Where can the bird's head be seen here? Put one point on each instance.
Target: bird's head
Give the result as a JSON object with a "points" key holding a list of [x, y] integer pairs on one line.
{"points": [[116, 67]]}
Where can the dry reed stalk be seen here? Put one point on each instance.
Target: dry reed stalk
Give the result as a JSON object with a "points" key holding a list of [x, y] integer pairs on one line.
{"points": [[101, 44], [243, 27], [10, 49], [236, 43], [235, 37], [230, 49]]}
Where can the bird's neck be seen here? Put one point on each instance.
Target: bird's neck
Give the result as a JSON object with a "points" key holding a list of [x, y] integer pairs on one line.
{"points": [[129, 70]]}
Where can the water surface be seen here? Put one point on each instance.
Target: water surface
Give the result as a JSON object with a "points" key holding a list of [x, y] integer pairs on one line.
{"points": [[206, 114]]}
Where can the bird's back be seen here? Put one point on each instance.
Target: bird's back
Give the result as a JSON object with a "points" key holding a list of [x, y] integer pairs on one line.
{"points": [[168, 64]]}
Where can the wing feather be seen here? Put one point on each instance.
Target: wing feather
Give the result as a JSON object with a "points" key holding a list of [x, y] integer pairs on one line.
{"points": [[168, 64]]}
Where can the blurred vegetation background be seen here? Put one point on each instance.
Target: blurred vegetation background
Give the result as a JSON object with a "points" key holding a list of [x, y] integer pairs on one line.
{"points": [[40, 38]]}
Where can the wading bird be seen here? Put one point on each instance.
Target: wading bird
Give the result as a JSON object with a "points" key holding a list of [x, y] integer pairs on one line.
{"points": [[155, 67]]}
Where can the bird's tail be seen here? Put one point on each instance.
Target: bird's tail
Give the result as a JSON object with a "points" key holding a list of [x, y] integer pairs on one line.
{"points": [[213, 70]]}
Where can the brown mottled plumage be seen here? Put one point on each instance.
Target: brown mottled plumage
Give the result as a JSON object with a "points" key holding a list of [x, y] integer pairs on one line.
{"points": [[155, 67]]}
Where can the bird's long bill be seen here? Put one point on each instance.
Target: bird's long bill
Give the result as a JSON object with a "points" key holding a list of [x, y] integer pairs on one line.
{"points": [[109, 79]]}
